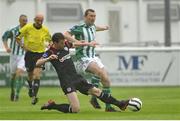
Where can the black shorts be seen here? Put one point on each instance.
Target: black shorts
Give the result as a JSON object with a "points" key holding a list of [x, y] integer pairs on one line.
{"points": [[31, 59], [81, 85]]}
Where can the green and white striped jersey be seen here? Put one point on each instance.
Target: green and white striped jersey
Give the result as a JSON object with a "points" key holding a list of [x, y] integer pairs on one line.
{"points": [[11, 34], [87, 33]]}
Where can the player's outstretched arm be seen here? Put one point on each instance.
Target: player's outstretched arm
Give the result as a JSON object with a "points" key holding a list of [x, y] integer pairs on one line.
{"points": [[77, 43], [42, 61], [84, 43], [70, 38], [102, 28]]}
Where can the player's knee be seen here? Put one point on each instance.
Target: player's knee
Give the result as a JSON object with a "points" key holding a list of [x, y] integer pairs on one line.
{"points": [[75, 108], [99, 73], [36, 76]]}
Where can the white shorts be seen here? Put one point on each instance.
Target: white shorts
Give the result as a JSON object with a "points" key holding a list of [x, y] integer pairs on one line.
{"points": [[82, 64], [17, 61]]}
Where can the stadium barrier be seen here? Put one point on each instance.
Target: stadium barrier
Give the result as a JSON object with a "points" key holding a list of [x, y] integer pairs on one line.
{"points": [[144, 66]]}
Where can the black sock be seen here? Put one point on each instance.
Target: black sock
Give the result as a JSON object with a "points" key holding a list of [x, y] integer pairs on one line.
{"points": [[66, 108], [35, 88], [30, 84], [107, 98]]}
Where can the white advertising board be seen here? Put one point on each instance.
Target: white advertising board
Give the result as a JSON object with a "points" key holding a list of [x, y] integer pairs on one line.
{"points": [[142, 67], [126, 67]]}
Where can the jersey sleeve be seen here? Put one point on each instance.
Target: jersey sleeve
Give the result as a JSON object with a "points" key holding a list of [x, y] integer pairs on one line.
{"points": [[75, 30], [45, 55], [7, 35]]}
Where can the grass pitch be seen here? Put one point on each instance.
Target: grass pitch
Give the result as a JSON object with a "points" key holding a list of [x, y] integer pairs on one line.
{"points": [[159, 103]]}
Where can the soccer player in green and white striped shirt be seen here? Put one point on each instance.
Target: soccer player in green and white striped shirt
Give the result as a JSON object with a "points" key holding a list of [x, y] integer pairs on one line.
{"points": [[85, 55], [17, 64]]}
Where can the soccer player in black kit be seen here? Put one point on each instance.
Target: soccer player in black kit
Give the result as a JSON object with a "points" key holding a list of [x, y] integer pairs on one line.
{"points": [[59, 56]]}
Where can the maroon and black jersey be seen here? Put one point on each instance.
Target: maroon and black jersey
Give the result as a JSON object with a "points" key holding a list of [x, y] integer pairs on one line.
{"points": [[64, 65], [69, 79]]}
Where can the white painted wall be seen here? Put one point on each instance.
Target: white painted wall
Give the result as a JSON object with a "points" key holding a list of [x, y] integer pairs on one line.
{"points": [[63, 25], [134, 26], [155, 30], [10, 14]]}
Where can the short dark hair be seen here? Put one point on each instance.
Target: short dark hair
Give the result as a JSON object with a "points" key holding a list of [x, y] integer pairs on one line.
{"points": [[22, 15], [57, 37], [87, 11]]}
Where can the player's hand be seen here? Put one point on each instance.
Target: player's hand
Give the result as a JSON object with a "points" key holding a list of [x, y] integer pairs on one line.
{"points": [[106, 27], [52, 57], [8, 50]]}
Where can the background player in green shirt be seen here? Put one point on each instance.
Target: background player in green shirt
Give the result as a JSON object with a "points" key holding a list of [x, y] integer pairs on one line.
{"points": [[17, 66]]}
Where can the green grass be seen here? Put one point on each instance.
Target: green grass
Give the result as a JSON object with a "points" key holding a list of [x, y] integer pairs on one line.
{"points": [[159, 103]]}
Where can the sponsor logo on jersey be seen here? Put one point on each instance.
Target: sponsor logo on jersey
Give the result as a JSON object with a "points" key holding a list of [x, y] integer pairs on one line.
{"points": [[68, 56], [45, 55]]}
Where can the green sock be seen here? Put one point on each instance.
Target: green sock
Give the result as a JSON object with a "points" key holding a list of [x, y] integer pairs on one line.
{"points": [[12, 85], [107, 90], [95, 80], [19, 84]]}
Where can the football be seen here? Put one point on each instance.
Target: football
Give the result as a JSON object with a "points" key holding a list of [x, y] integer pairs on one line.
{"points": [[135, 104]]}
